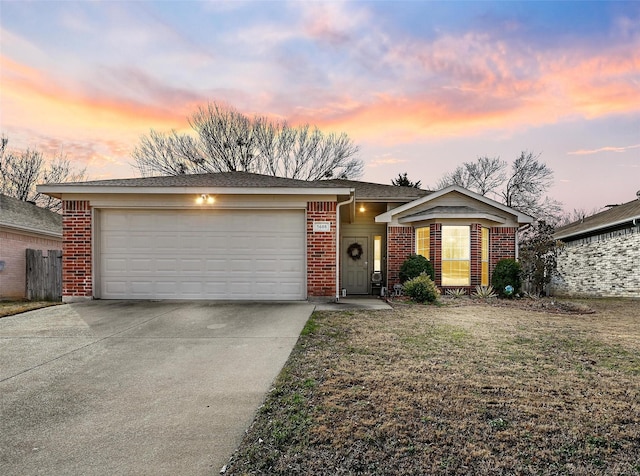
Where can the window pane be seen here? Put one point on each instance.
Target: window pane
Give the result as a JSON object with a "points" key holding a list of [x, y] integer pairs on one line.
{"points": [[455, 273], [485, 244], [485, 273], [377, 253], [456, 243], [484, 280], [422, 241], [456, 254]]}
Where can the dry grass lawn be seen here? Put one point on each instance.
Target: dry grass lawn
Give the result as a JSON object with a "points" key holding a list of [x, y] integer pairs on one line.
{"points": [[10, 308], [455, 389]]}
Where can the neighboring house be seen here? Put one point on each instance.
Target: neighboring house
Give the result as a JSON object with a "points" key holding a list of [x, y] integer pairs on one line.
{"points": [[601, 254], [23, 226], [243, 236]]}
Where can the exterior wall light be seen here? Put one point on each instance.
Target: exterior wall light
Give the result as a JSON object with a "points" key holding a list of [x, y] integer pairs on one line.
{"points": [[362, 209], [204, 198]]}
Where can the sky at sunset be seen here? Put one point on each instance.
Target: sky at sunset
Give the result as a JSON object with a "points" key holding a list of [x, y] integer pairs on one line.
{"points": [[420, 86]]}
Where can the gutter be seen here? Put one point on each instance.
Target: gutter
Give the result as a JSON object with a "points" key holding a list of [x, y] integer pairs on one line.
{"points": [[635, 221], [346, 202]]}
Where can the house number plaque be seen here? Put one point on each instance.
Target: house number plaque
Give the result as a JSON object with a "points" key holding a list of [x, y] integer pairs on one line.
{"points": [[321, 226]]}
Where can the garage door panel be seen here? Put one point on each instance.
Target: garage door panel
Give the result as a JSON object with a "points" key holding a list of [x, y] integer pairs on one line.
{"points": [[173, 254]]}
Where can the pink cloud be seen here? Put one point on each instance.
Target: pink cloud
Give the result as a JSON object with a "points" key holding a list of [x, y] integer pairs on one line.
{"points": [[604, 149]]}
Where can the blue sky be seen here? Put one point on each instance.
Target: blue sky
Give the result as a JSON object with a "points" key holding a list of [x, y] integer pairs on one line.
{"points": [[419, 86]]}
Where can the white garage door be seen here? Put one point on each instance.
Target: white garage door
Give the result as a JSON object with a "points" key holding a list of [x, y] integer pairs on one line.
{"points": [[202, 254]]}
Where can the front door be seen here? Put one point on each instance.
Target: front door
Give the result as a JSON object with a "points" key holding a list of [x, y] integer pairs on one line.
{"points": [[355, 264]]}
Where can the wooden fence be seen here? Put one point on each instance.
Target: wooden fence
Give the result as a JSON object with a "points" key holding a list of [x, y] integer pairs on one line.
{"points": [[44, 275]]}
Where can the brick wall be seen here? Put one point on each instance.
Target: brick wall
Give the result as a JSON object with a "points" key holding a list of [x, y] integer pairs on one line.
{"points": [[400, 244], [502, 244], [476, 255], [13, 246], [602, 265], [435, 252], [321, 250], [76, 251]]}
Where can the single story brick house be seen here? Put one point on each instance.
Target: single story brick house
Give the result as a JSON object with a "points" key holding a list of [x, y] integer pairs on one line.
{"points": [[23, 226], [601, 254], [243, 236]]}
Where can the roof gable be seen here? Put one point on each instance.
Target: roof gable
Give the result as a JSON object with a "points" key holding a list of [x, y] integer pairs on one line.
{"points": [[482, 207], [26, 216]]}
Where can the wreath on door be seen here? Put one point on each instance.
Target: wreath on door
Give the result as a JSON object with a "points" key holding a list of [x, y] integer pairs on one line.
{"points": [[355, 251]]}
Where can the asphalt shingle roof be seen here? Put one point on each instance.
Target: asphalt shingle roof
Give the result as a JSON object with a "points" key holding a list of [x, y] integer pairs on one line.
{"points": [[378, 191], [24, 215], [364, 190], [608, 218]]}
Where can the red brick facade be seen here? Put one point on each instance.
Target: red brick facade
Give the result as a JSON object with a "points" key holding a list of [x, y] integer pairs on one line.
{"points": [[400, 244], [76, 250], [321, 250], [502, 244]]}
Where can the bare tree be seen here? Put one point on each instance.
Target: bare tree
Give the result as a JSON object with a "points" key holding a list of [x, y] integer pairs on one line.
{"points": [[523, 187], [484, 176], [226, 140], [21, 171], [577, 214]]}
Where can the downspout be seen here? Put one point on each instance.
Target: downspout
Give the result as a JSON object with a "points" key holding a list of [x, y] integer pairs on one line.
{"points": [[522, 228], [346, 202]]}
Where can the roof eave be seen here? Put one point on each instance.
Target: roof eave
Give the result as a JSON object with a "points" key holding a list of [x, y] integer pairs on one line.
{"points": [[29, 229], [57, 191], [587, 231], [443, 216]]}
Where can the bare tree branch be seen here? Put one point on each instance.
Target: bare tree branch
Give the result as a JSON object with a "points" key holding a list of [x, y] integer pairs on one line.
{"points": [[21, 171], [523, 188], [226, 140]]}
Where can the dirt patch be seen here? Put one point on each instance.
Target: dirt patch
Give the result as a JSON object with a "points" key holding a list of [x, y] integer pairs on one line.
{"points": [[455, 389]]}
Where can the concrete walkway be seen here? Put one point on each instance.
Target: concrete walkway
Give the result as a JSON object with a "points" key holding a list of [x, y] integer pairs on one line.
{"points": [[371, 303], [117, 387]]}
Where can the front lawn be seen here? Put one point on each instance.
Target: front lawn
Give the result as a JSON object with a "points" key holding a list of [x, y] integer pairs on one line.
{"points": [[473, 389]]}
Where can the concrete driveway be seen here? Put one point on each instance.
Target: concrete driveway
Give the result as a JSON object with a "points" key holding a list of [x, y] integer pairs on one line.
{"points": [[119, 387]]}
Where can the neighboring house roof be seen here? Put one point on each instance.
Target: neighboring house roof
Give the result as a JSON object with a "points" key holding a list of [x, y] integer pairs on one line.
{"points": [[25, 216], [615, 217], [389, 216], [238, 182]]}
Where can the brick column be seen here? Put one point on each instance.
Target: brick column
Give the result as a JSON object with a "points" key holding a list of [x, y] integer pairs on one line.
{"points": [[502, 244], [435, 244], [400, 244], [77, 284], [321, 250], [476, 254]]}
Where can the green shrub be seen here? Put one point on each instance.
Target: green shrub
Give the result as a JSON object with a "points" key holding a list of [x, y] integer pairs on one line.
{"points": [[421, 289], [507, 273], [414, 266]]}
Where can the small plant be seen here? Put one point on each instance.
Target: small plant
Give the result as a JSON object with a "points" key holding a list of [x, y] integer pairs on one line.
{"points": [[414, 266], [421, 289], [507, 278], [456, 293], [484, 292]]}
